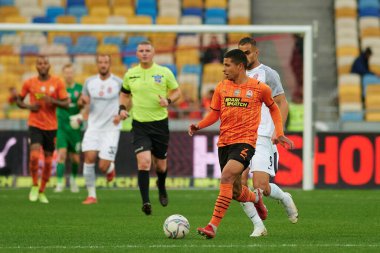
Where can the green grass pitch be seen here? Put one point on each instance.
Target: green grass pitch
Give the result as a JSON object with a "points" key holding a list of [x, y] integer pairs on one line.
{"points": [[330, 221]]}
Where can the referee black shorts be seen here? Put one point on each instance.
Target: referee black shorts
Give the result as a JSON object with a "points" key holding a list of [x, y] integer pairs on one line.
{"points": [[153, 136]]}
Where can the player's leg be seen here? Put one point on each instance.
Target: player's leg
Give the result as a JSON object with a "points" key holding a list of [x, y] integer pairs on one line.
{"points": [[250, 209], [90, 148], [161, 171], [36, 140], [107, 153], [49, 147], [74, 149]]}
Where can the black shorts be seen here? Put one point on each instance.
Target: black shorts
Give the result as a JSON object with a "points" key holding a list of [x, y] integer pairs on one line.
{"points": [[153, 136], [240, 152], [44, 137]]}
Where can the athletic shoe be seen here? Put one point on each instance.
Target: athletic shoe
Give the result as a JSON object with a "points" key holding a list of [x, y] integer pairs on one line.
{"points": [[33, 194], [90, 201], [259, 231], [260, 207], [74, 188], [290, 208], [147, 208], [162, 196], [42, 198], [110, 176], [208, 232], [58, 188]]}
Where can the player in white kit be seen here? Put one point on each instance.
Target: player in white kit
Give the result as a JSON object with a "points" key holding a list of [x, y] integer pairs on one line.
{"points": [[101, 95], [264, 163]]}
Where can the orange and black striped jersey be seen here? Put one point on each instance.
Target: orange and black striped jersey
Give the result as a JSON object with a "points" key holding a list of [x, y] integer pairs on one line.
{"points": [[240, 110]]}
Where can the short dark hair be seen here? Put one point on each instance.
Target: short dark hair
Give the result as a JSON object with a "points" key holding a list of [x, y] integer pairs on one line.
{"points": [[145, 42], [237, 56], [247, 40]]}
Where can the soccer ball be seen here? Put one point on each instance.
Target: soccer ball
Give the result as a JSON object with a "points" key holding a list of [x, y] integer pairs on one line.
{"points": [[176, 226]]}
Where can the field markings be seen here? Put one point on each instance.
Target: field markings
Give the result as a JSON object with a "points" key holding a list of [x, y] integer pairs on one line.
{"points": [[327, 245]]}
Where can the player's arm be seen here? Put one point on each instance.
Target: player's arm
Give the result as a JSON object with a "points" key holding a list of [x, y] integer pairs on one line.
{"points": [[173, 96], [20, 99], [276, 117], [282, 104], [63, 103], [208, 120]]}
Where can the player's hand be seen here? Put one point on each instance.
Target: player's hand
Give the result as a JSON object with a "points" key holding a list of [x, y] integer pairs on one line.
{"points": [[274, 139], [163, 101], [192, 129], [285, 142], [116, 119], [48, 99], [123, 114]]}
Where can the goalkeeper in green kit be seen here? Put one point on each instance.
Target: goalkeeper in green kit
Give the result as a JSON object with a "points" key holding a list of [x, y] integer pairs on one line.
{"points": [[69, 133]]}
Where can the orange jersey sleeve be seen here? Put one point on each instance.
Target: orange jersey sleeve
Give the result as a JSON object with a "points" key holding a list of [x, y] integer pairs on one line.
{"points": [[273, 109], [215, 101], [25, 88]]}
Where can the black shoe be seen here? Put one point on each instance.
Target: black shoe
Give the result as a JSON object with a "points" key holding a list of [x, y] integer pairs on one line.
{"points": [[147, 208], [162, 196]]}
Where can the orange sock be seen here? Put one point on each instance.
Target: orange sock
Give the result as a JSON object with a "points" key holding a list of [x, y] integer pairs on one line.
{"points": [[222, 203], [246, 195], [46, 172], [33, 165]]}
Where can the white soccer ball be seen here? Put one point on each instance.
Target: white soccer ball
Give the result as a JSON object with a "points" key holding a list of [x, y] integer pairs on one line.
{"points": [[176, 226]]}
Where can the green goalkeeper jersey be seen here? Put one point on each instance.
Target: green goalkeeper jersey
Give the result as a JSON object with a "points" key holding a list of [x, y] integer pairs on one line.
{"points": [[146, 85], [63, 114]]}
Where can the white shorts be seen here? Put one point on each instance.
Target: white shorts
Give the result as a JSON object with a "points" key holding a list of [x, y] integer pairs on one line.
{"points": [[266, 157], [106, 142]]}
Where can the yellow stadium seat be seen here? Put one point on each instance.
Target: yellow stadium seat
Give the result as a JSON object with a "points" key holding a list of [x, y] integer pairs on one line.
{"points": [[118, 69], [10, 60], [216, 4], [30, 60], [66, 19], [100, 11], [349, 93], [112, 50], [6, 50], [93, 20], [123, 3], [92, 3], [372, 116], [187, 56], [345, 12], [192, 3], [166, 21], [239, 21], [374, 64], [234, 38], [212, 73], [18, 114], [16, 19], [125, 11], [347, 51], [190, 90], [139, 20], [8, 80], [6, 11], [370, 32]]}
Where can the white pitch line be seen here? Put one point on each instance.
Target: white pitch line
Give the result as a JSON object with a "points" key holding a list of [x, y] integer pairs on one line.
{"points": [[194, 246]]}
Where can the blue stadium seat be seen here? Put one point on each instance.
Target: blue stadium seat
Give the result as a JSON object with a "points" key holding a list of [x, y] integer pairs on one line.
{"points": [[191, 69], [87, 41], [216, 13], [134, 40], [146, 4], [113, 40], [369, 12], [130, 60], [215, 21], [29, 50], [54, 11], [70, 3], [369, 79], [77, 11], [66, 40], [82, 49], [369, 4], [351, 116], [7, 3], [42, 20], [148, 12], [192, 12], [172, 67]]}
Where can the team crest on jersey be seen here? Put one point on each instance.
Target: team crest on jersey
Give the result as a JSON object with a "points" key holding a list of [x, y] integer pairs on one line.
{"points": [[51, 89], [234, 102], [249, 94], [158, 79], [236, 92], [43, 88], [76, 94]]}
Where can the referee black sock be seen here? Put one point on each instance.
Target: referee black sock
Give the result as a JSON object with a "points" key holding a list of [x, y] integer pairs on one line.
{"points": [[161, 181], [143, 180]]}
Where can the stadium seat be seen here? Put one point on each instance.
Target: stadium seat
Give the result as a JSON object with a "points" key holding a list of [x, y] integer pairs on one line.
{"points": [[192, 12], [370, 32], [100, 11], [170, 12], [8, 11], [206, 38], [53, 11], [17, 19], [372, 12], [93, 20], [53, 49], [347, 51], [70, 3], [212, 73], [345, 4], [93, 3], [192, 69], [31, 11], [65, 40], [191, 20], [130, 60], [167, 21], [162, 4], [239, 21], [46, 3], [216, 4], [369, 79], [7, 2], [122, 3], [351, 116], [374, 64], [345, 64], [66, 19], [192, 4], [116, 20], [172, 67], [215, 21], [125, 11], [365, 22], [77, 10], [113, 40], [24, 3], [234, 38], [370, 42], [363, 4], [164, 58], [347, 42], [140, 20], [239, 12], [151, 12]]}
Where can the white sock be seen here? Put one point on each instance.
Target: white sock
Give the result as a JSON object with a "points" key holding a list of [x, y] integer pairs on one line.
{"points": [[276, 192], [110, 168], [89, 176], [251, 212]]}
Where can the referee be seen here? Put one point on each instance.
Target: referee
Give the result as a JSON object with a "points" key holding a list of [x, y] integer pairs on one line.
{"points": [[150, 88]]}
